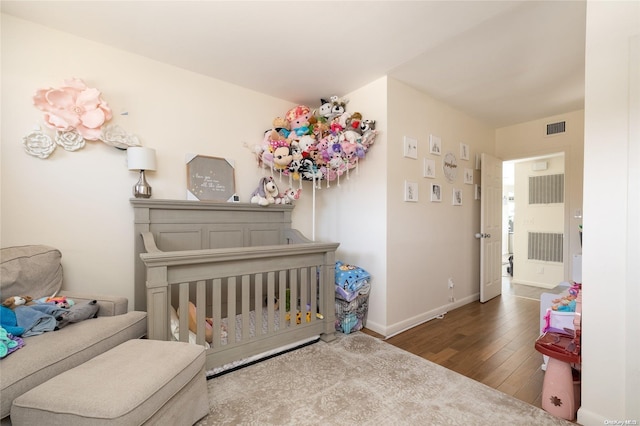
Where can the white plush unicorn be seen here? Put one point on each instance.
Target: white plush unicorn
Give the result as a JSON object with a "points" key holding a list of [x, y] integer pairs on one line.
{"points": [[288, 196]]}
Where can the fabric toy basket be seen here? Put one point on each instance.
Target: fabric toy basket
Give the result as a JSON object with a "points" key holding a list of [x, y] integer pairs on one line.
{"points": [[352, 297]]}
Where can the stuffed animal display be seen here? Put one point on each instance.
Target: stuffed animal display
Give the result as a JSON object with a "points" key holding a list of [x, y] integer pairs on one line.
{"points": [[316, 145]]}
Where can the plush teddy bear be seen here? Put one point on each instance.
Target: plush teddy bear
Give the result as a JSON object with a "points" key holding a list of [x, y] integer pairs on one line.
{"points": [[12, 302], [281, 126], [78, 312], [266, 192]]}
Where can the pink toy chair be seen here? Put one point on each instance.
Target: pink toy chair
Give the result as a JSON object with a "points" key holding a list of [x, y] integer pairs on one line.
{"points": [[561, 387]]}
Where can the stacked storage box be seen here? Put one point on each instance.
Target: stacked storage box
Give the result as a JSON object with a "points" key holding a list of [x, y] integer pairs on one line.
{"points": [[352, 297]]}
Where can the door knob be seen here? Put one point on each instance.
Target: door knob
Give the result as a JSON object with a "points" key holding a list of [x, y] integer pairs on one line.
{"points": [[479, 235]]}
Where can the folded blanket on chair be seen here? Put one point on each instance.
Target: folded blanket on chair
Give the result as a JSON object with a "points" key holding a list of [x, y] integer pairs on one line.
{"points": [[38, 318]]}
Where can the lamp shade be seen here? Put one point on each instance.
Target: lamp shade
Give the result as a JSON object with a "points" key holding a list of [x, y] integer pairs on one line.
{"points": [[141, 158]]}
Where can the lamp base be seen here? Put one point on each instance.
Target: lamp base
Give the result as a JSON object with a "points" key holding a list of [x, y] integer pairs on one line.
{"points": [[142, 189]]}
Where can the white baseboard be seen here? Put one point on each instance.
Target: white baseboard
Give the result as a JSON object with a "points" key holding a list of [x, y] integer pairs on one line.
{"points": [[589, 418], [399, 327]]}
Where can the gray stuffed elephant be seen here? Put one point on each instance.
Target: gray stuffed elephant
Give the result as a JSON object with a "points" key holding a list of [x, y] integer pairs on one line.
{"points": [[78, 312]]}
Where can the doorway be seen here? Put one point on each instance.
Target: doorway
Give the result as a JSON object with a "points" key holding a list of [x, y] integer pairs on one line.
{"points": [[533, 221]]}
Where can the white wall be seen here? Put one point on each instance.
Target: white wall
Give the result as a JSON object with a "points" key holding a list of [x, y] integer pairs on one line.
{"points": [[528, 140], [610, 341], [355, 212], [79, 201], [430, 242], [536, 218]]}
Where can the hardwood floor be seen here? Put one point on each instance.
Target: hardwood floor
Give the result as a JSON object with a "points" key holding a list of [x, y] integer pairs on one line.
{"points": [[492, 343]]}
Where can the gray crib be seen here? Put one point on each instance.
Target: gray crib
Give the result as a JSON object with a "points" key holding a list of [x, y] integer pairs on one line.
{"points": [[263, 285]]}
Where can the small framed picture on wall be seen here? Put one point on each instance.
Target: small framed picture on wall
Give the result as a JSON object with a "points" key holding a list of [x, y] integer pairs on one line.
{"points": [[429, 168], [457, 197], [468, 176], [435, 145], [436, 193], [410, 147], [464, 151], [410, 191]]}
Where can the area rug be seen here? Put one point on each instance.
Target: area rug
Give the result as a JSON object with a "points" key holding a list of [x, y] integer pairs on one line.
{"points": [[360, 380]]}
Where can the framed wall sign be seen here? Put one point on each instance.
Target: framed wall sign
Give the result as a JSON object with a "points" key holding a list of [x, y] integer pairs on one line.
{"points": [[210, 178]]}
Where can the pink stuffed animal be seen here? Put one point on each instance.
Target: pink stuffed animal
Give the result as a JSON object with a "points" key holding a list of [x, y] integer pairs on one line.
{"points": [[298, 119]]}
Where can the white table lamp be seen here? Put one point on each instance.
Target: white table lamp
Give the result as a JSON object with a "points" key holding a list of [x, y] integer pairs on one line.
{"points": [[141, 158]]}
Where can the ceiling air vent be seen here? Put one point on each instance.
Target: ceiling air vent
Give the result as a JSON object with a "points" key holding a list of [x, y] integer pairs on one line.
{"points": [[555, 128]]}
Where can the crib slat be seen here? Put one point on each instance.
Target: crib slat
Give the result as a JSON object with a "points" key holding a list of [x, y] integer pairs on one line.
{"points": [[201, 312], [270, 308], [304, 296], [183, 314], [231, 310], [282, 284], [246, 315], [313, 285], [216, 311], [322, 300], [258, 304], [293, 286]]}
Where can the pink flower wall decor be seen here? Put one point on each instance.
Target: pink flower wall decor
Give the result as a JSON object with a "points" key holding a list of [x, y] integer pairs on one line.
{"points": [[77, 113], [74, 106]]}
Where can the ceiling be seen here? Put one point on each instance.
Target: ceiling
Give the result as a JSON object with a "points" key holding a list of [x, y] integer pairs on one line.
{"points": [[503, 62]]}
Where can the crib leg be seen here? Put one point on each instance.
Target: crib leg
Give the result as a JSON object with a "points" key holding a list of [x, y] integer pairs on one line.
{"points": [[328, 337]]}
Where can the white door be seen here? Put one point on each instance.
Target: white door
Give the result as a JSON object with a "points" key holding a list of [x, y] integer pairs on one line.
{"points": [[490, 228]]}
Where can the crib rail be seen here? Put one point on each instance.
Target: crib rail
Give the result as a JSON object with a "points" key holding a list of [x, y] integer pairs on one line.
{"points": [[240, 285]]}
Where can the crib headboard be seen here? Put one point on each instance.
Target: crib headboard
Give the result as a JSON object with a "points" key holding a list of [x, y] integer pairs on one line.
{"points": [[192, 225]]}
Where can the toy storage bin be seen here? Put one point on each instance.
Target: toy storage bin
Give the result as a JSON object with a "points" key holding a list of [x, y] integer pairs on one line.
{"points": [[352, 297], [352, 315]]}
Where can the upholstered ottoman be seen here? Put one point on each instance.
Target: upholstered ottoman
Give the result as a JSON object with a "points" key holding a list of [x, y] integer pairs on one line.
{"points": [[138, 382]]}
